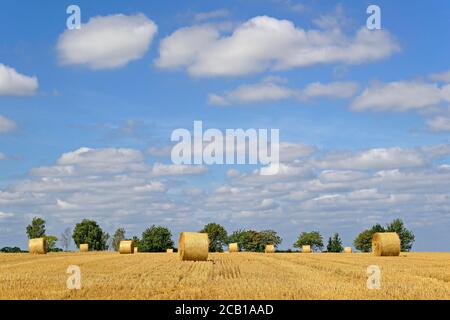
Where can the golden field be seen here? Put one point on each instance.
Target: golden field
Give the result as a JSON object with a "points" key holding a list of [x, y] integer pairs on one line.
{"points": [[108, 275]]}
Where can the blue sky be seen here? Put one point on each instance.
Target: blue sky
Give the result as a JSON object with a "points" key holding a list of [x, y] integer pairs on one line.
{"points": [[368, 124]]}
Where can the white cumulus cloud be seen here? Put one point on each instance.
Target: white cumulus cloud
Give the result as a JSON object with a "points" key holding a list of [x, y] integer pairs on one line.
{"points": [[400, 96], [265, 43], [13, 83], [269, 90], [107, 42]]}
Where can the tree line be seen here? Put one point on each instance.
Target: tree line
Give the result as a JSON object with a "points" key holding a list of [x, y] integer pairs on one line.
{"points": [[159, 238]]}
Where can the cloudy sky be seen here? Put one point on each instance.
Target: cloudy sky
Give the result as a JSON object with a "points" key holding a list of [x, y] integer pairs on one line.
{"points": [[364, 116]]}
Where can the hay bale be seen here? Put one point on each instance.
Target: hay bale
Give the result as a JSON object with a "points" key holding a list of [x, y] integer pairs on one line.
{"points": [[193, 246], [37, 246], [270, 248], [306, 249], [348, 250], [126, 247], [136, 250], [169, 251], [84, 247], [233, 247], [386, 244]]}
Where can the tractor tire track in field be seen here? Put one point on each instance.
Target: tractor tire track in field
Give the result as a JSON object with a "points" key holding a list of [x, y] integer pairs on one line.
{"points": [[226, 269]]}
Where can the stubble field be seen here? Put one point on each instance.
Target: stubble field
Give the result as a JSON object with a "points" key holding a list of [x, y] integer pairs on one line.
{"points": [[225, 276]]}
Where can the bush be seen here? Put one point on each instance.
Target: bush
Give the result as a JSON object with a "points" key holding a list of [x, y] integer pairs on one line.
{"points": [[11, 250]]}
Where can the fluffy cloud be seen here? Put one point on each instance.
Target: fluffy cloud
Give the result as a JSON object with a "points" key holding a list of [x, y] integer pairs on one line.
{"points": [[270, 90], [107, 42], [12, 83], [400, 96], [100, 157], [265, 43], [381, 158], [6, 124]]}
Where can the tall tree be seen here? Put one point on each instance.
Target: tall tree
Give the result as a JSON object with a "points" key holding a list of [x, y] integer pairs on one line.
{"points": [[88, 231], [118, 236], [217, 236], [313, 239], [156, 239], [335, 244], [406, 236], [36, 229], [65, 239]]}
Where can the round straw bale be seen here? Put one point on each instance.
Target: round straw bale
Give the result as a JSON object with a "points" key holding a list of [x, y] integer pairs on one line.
{"points": [[84, 247], [306, 249], [126, 247], [233, 247], [386, 244], [270, 248], [37, 246], [348, 250], [193, 246], [136, 250], [169, 251]]}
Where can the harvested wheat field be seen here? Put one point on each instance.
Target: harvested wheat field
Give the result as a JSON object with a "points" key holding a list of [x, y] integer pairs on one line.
{"points": [[224, 276]]}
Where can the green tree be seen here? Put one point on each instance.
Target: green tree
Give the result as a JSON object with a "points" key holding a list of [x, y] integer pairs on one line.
{"points": [[240, 237], [155, 239], [363, 241], [313, 239], [118, 236], [88, 231], [36, 229], [335, 244], [253, 242], [217, 236], [406, 236], [269, 237], [50, 242], [136, 241]]}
